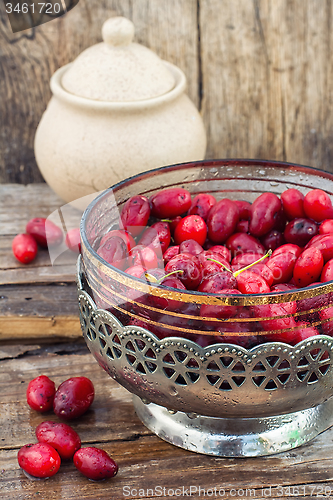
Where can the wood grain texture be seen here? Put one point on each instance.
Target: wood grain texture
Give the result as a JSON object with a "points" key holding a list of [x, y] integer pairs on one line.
{"points": [[38, 300], [28, 60], [266, 70], [145, 461], [19, 204], [37, 311]]}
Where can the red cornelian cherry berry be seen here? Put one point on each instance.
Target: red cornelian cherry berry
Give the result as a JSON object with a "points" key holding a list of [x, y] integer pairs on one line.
{"points": [[44, 231], [288, 248], [272, 240], [264, 211], [326, 227], [24, 248], [300, 231], [222, 220], [244, 208], [242, 226], [223, 311], [157, 236], [73, 240], [137, 270], [324, 243], [95, 463], [282, 262], [222, 250], [240, 243], [170, 202], [61, 436], [327, 272], [244, 259], [135, 214], [318, 205], [39, 460], [308, 267], [170, 252], [188, 267], [191, 227], [218, 281], [173, 223], [304, 331], [73, 397], [265, 272], [114, 252], [40, 393], [190, 246], [212, 263], [293, 201], [251, 282], [143, 256], [124, 235], [201, 204], [281, 327], [280, 220]]}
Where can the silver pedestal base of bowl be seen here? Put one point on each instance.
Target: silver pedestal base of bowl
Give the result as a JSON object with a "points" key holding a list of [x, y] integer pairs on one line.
{"points": [[235, 437]]}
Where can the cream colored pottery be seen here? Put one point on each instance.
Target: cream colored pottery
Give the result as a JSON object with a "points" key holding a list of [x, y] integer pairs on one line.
{"points": [[117, 111]]}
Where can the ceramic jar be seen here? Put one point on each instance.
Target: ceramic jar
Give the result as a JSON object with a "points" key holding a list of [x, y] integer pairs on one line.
{"points": [[116, 111]]}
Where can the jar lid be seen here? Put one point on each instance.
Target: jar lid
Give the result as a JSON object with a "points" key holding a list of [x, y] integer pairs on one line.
{"points": [[117, 69]]}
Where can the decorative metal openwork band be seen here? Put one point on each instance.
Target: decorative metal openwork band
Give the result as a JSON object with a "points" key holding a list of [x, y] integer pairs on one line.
{"points": [[221, 380]]}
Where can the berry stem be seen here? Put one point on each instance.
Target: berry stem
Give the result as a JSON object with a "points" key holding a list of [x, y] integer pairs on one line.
{"points": [[268, 254], [159, 281], [236, 273], [150, 277], [217, 262]]}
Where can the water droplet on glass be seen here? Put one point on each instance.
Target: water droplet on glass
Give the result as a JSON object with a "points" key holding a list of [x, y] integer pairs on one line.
{"points": [[173, 391]]}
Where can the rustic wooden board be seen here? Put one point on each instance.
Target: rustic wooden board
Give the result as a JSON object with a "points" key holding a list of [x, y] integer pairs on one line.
{"points": [[38, 300], [145, 461], [39, 311], [39, 270], [19, 204], [266, 73]]}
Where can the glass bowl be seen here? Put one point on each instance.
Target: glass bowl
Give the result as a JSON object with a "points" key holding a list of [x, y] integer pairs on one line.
{"points": [[244, 378]]}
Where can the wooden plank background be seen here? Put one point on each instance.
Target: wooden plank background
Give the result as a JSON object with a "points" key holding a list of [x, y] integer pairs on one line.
{"points": [[259, 71]]}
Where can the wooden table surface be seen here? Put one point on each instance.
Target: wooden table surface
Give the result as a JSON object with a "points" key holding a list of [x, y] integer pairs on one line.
{"points": [[40, 334]]}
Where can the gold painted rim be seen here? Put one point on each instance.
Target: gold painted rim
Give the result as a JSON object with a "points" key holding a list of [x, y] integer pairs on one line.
{"points": [[199, 297], [191, 317], [213, 333]]}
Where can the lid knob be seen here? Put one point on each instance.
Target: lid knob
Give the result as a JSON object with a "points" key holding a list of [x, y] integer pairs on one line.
{"points": [[118, 70], [118, 31]]}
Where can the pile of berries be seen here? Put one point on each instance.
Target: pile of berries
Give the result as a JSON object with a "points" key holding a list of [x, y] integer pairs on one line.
{"points": [[225, 247], [59, 441], [42, 232]]}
